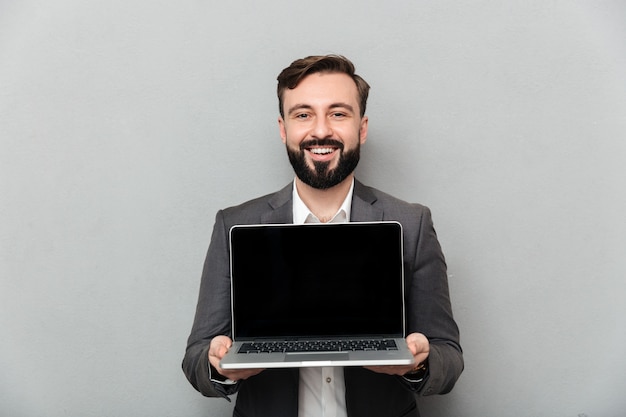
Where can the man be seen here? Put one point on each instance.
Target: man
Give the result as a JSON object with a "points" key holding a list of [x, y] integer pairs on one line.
{"points": [[323, 125]]}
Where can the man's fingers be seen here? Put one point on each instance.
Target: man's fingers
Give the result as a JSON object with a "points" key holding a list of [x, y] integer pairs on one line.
{"points": [[219, 347], [221, 351], [419, 346]]}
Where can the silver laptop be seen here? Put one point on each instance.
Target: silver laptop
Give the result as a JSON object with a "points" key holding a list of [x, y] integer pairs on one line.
{"points": [[317, 295]]}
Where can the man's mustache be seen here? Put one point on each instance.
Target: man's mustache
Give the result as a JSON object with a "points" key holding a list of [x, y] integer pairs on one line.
{"points": [[321, 142]]}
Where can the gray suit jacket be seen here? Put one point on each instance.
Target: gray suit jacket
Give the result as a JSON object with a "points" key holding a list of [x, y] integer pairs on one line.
{"points": [[275, 392]]}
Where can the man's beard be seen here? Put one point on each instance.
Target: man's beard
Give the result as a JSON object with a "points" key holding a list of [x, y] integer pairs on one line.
{"points": [[321, 177]]}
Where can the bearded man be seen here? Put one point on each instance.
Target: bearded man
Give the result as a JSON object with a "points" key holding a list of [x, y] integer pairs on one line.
{"points": [[323, 124]]}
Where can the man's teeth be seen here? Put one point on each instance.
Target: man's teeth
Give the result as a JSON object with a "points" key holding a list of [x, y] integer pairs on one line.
{"points": [[322, 151]]}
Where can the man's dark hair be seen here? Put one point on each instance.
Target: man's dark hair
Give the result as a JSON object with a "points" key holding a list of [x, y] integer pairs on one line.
{"points": [[291, 76]]}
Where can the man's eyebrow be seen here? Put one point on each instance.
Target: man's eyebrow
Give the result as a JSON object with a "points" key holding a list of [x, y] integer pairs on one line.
{"points": [[299, 107], [342, 105], [309, 107]]}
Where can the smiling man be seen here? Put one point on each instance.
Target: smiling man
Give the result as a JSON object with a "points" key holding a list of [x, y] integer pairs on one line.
{"points": [[323, 130], [322, 123]]}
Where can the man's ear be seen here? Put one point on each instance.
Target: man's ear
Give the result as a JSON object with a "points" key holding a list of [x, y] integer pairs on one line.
{"points": [[281, 128], [363, 129]]}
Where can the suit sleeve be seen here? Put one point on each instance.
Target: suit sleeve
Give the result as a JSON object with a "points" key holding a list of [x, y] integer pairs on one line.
{"points": [[429, 308], [213, 315]]}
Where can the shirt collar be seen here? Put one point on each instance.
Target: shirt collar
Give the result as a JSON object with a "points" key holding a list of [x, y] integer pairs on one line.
{"points": [[302, 214]]}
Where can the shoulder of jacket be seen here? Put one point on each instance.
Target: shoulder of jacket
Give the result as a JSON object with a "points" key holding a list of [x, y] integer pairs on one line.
{"points": [[389, 201]]}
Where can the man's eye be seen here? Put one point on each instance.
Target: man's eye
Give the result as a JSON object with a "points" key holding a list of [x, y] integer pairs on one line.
{"points": [[302, 116]]}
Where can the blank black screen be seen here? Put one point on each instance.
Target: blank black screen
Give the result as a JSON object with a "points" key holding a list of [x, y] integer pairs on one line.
{"points": [[317, 280]]}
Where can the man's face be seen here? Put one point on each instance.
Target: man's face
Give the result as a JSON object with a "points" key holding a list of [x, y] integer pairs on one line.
{"points": [[322, 128]]}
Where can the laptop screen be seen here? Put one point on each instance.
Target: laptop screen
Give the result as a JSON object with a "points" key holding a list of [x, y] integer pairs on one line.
{"points": [[317, 280]]}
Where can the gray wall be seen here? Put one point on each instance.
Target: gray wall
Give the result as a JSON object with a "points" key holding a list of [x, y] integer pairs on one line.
{"points": [[125, 125]]}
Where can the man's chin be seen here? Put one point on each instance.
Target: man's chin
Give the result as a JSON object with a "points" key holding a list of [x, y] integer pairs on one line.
{"points": [[321, 167]]}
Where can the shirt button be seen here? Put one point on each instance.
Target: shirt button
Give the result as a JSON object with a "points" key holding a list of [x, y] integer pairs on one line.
{"points": [[329, 379]]}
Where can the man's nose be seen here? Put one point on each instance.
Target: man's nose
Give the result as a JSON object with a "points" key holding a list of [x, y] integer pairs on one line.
{"points": [[322, 128]]}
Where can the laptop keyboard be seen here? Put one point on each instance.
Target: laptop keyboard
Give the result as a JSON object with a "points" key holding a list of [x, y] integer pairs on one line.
{"points": [[318, 346]]}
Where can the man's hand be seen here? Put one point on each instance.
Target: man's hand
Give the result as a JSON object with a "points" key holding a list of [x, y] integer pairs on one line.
{"points": [[217, 349], [419, 347]]}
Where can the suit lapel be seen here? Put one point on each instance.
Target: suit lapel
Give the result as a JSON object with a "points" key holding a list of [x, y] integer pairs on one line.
{"points": [[281, 207], [363, 207]]}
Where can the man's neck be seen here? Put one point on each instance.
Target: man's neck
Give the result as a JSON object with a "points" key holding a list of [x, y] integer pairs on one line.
{"points": [[324, 204]]}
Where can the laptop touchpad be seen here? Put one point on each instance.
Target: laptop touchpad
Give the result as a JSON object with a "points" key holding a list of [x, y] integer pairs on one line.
{"points": [[318, 356]]}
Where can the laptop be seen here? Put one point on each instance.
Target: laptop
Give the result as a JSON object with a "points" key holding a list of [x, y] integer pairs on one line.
{"points": [[317, 295]]}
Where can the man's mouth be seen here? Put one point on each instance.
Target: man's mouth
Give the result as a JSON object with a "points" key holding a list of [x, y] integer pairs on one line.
{"points": [[322, 147], [322, 151]]}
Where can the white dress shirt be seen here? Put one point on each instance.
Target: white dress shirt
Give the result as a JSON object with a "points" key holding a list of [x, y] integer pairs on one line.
{"points": [[322, 391]]}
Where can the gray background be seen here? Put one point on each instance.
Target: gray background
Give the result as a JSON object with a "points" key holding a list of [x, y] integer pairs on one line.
{"points": [[125, 125]]}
